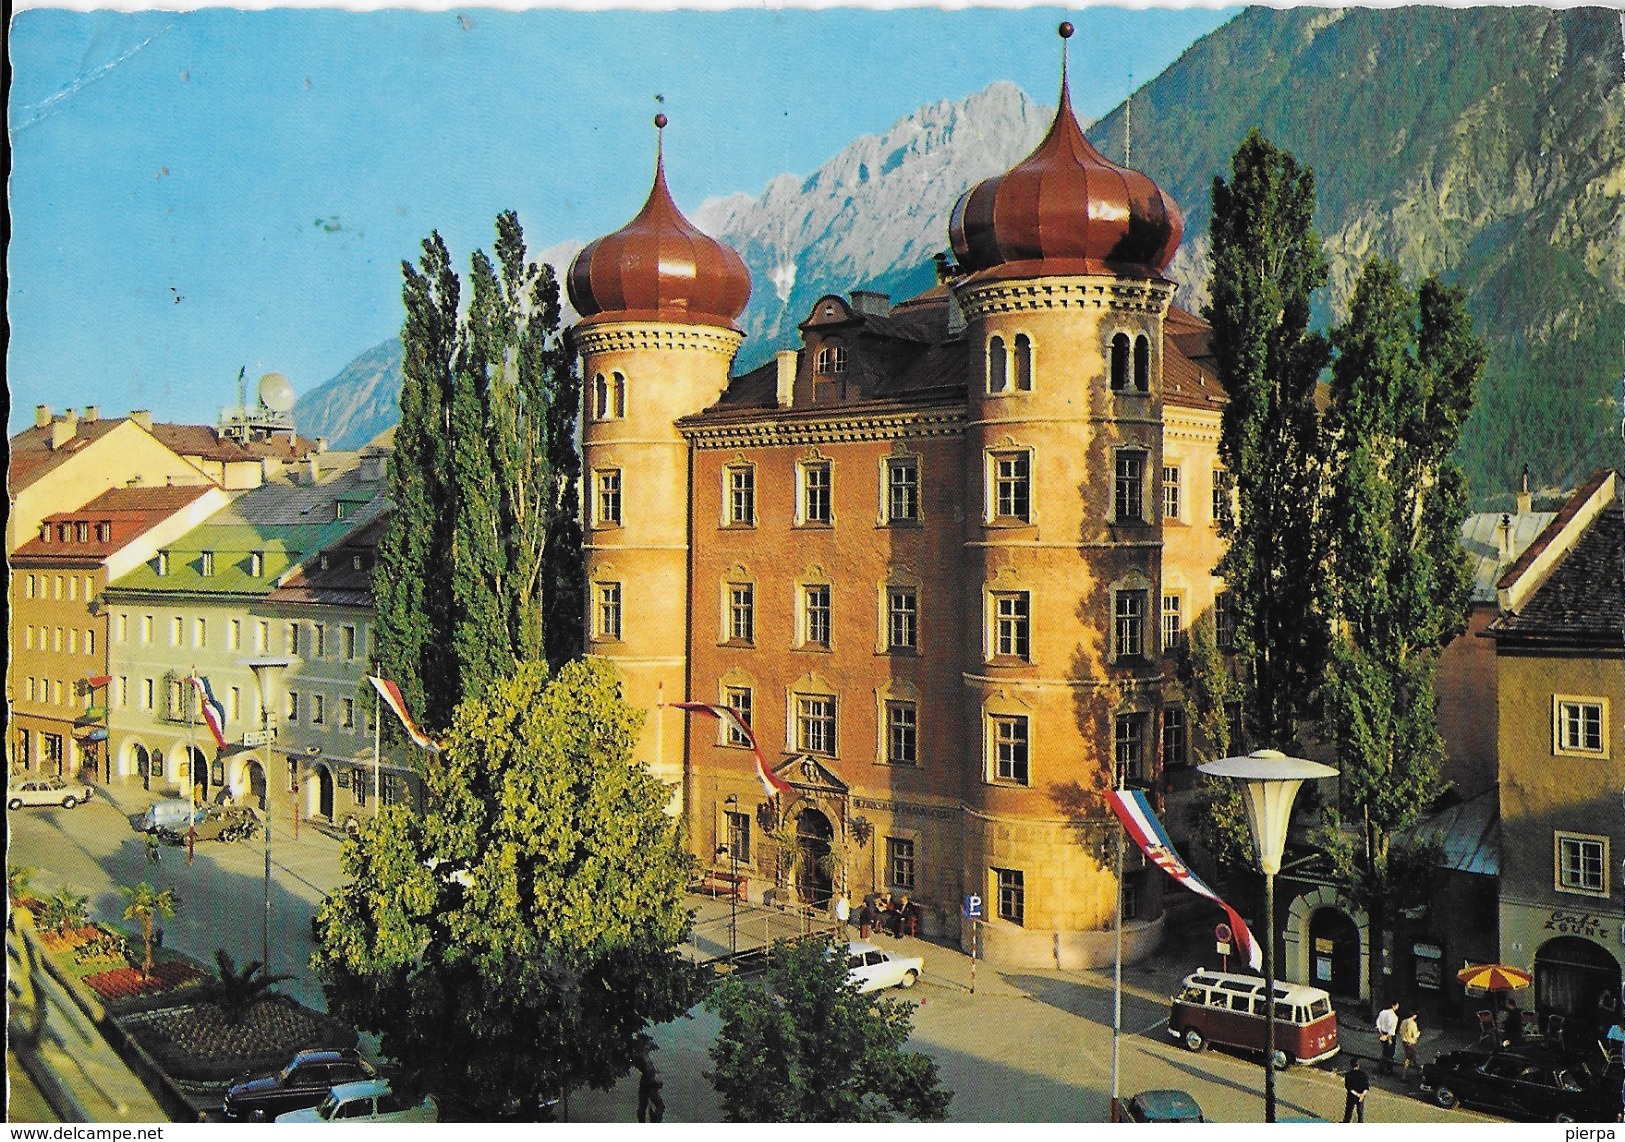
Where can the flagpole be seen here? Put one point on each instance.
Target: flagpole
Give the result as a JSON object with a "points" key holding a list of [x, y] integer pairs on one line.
{"points": [[1117, 974], [660, 728], [377, 745], [193, 701]]}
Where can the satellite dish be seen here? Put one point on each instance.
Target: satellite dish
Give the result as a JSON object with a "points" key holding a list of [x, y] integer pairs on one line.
{"points": [[276, 393]]}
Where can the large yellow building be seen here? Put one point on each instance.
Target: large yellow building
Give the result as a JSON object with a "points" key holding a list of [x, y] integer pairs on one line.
{"points": [[939, 557]]}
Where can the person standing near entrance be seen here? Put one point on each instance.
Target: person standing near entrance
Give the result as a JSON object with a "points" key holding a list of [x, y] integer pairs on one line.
{"points": [[1358, 1084], [1409, 1035], [1387, 1033]]}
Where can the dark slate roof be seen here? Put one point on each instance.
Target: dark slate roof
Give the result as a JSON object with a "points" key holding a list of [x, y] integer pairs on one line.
{"points": [[341, 582], [1469, 833], [1582, 602]]}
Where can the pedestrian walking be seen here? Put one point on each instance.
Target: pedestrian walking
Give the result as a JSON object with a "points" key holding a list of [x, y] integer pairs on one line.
{"points": [[866, 919], [1409, 1035], [651, 1107], [1387, 1035], [1358, 1084], [153, 854]]}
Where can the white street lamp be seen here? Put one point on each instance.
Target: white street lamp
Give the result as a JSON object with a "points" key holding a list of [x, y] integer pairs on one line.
{"points": [[1269, 782]]}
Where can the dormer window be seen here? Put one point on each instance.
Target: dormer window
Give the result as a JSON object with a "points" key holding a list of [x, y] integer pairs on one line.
{"points": [[357, 563], [62, 533], [205, 563], [162, 565], [256, 564], [323, 562], [342, 509], [81, 532], [104, 532], [831, 360], [45, 533]]}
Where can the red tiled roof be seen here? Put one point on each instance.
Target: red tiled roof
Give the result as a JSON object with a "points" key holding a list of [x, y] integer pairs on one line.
{"points": [[128, 511], [32, 455]]}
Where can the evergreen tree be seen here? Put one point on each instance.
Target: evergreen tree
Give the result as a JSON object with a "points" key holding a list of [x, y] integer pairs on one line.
{"points": [[485, 544], [809, 1048], [1267, 260], [517, 936], [1402, 385]]}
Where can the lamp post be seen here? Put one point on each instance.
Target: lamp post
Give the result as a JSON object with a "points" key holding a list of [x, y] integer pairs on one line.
{"points": [[266, 670], [732, 850], [1269, 782]]}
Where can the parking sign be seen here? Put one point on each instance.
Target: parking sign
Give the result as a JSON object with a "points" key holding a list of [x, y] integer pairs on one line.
{"points": [[973, 906]]}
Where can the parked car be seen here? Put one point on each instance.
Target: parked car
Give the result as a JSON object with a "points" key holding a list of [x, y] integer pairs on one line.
{"points": [[1228, 1008], [46, 791], [1532, 1083], [303, 1083], [170, 814], [1163, 1106], [215, 823], [371, 1100], [873, 968]]}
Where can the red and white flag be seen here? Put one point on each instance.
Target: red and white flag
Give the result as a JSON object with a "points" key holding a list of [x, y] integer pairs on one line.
{"points": [[214, 714], [1141, 823], [772, 783], [391, 694]]}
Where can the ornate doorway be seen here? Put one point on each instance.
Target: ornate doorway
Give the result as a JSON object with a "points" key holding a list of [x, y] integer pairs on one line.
{"points": [[1334, 952], [1570, 972], [814, 883]]}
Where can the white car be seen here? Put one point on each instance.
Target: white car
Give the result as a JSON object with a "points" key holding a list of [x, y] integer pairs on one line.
{"points": [[370, 1100], [46, 791], [873, 968]]}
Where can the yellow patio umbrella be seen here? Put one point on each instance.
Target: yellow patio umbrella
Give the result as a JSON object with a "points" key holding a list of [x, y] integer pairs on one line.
{"points": [[1494, 977]]}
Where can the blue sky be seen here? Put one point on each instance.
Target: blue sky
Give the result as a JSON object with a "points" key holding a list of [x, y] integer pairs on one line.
{"points": [[197, 192]]}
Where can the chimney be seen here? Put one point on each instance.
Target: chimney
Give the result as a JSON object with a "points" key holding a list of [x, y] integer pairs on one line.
{"points": [[786, 359], [64, 428], [871, 302], [91, 414], [321, 444], [313, 469], [956, 312], [143, 417], [372, 467], [42, 415], [1525, 500], [1504, 534]]}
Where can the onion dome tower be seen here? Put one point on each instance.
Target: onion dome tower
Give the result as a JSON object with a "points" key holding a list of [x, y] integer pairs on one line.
{"points": [[1064, 303], [658, 301]]}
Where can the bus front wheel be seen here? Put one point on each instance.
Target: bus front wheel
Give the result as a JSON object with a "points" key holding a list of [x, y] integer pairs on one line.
{"points": [[1194, 1040]]}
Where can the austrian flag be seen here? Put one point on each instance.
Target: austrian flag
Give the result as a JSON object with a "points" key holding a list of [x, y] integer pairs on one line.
{"points": [[772, 783], [214, 714], [391, 694]]}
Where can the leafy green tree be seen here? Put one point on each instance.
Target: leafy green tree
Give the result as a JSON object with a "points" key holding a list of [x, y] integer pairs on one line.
{"points": [[64, 909], [1402, 385], [481, 568], [1267, 261], [237, 991], [1216, 814], [809, 1048], [518, 935], [146, 903]]}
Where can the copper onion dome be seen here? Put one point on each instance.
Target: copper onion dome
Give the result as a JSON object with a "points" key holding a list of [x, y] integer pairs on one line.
{"points": [[659, 267], [1065, 208]]}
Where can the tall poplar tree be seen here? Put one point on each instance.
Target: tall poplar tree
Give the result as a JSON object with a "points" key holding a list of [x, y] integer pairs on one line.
{"points": [[481, 569], [1402, 385], [1267, 260]]}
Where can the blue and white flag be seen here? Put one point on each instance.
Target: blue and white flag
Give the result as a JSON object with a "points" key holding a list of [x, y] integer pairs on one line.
{"points": [[213, 712]]}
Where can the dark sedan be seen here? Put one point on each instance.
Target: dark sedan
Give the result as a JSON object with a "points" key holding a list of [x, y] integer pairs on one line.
{"points": [[1163, 1106], [1530, 1084], [303, 1083]]}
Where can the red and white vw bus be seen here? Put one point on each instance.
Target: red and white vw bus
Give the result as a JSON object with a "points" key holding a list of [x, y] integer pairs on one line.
{"points": [[1228, 1009]]}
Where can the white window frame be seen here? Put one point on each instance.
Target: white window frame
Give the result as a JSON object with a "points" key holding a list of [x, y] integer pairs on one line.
{"points": [[607, 486], [1172, 499], [901, 630], [995, 481], [805, 721], [900, 494], [1019, 645], [739, 498], [1580, 841], [1562, 706], [805, 498], [733, 607], [609, 610], [911, 710], [1121, 644], [808, 612], [1120, 457], [1173, 607], [997, 764], [742, 700]]}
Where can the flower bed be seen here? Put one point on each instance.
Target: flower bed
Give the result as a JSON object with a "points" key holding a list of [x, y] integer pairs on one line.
{"points": [[128, 982], [195, 1042], [68, 939]]}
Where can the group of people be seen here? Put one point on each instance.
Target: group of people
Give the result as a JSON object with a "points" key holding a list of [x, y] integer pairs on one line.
{"points": [[1393, 1032], [897, 916]]}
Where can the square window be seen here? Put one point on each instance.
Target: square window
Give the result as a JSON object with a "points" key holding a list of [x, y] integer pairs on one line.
{"points": [[902, 733], [607, 497], [816, 506], [1009, 886], [1173, 622], [1128, 743], [902, 619], [902, 489], [1580, 726], [1012, 633], [742, 496], [738, 825], [1128, 488], [1008, 733], [815, 618], [1582, 864], [740, 700], [1129, 624], [1175, 740], [741, 612], [1012, 488], [815, 724], [900, 863], [609, 611]]}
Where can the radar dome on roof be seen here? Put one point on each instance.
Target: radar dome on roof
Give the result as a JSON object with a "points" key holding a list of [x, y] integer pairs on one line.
{"points": [[659, 267]]}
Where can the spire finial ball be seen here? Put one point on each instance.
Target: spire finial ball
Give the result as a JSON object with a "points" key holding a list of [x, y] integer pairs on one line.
{"points": [[1066, 29], [660, 121]]}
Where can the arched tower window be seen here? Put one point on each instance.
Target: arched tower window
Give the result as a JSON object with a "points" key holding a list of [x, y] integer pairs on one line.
{"points": [[618, 394], [1142, 363], [831, 359], [1024, 363], [600, 398], [996, 365], [1120, 363]]}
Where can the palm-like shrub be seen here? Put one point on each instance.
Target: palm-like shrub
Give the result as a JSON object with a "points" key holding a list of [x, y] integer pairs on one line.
{"points": [[65, 909], [145, 903], [236, 991]]}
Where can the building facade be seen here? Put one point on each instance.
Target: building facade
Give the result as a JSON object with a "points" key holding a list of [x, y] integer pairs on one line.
{"points": [[940, 557]]}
